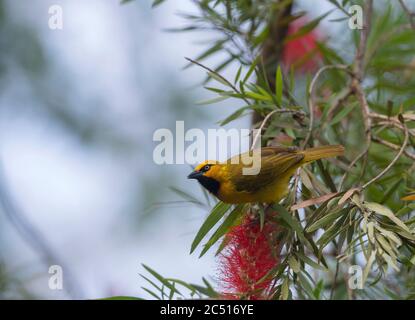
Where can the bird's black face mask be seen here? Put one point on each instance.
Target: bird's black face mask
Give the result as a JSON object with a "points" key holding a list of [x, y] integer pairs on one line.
{"points": [[208, 183]]}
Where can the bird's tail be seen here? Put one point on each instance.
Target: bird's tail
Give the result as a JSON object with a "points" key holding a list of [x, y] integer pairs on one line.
{"points": [[321, 152]]}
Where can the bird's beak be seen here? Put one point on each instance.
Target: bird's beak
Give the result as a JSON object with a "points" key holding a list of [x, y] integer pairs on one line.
{"points": [[195, 175]]}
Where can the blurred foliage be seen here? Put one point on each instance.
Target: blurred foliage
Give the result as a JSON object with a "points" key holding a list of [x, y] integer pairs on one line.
{"points": [[350, 210], [11, 287], [37, 85]]}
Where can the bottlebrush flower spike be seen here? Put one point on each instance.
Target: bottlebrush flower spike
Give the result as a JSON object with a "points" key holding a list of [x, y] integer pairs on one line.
{"points": [[250, 254], [302, 53]]}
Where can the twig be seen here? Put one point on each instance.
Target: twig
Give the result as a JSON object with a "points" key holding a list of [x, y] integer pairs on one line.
{"points": [[358, 71], [393, 146], [260, 128], [313, 201], [366, 120], [311, 96], [392, 163], [393, 121], [267, 118], [357, 88], [333, 286], [359, 66], [360, 53], [410, 14], [395, 125], [405, 117]]}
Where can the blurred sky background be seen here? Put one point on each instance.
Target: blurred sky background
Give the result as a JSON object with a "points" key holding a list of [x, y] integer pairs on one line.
{"points": [[78, 110]]}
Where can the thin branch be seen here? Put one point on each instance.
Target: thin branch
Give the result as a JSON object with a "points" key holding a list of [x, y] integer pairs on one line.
{"points": [[333, 286], [410, 14], [393, 121], [298, 112], [392, 163], [359, 64], [267, 118], [357, 88], [311, 97], [262, 127], [358, 72], [405, 117], [313, 201], [393, 147]]}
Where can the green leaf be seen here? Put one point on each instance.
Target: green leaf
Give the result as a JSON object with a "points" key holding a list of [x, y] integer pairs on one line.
{"points": [[305, 284], [151, 282], [310, 262], [207, 291], [224, 227], [342, 114], [161, 279], [250, 70], [215, 48], [213, 100], [290, 220], [317, 292], [237, 114], [182, 283], [384, 211], [238, 75], [151, 293], [278, 86], [327, 219], [258, 96], [215, 215], [285, 289], [307, 27], [368, 266], [294, 265], [157, 2], [218, 78], [332, 232]]}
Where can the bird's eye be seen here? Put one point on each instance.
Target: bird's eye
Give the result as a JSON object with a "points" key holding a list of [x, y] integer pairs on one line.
{"points": [[206, 168]]}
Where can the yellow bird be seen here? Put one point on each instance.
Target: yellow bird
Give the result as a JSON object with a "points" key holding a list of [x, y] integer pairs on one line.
{"points": [[227, 182]]}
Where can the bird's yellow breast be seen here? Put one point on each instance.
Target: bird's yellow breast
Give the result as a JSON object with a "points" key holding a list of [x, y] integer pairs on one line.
{"points": [[273, 192]]}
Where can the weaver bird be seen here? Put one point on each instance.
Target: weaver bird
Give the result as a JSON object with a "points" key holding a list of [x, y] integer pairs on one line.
{"points": [[227, 182]]}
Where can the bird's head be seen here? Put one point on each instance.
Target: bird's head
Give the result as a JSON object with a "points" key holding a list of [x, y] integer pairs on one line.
{"points": [[209, 175]]}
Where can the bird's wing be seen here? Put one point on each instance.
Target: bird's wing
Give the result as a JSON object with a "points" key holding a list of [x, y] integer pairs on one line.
{"points": [[275, 162]]}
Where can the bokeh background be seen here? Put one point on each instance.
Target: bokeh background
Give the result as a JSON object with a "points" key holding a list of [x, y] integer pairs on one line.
{"points": [[78, 108]]}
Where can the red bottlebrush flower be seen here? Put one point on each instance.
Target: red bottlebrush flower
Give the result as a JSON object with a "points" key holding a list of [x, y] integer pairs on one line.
{"points": [[301, 52], [250, 254]]}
